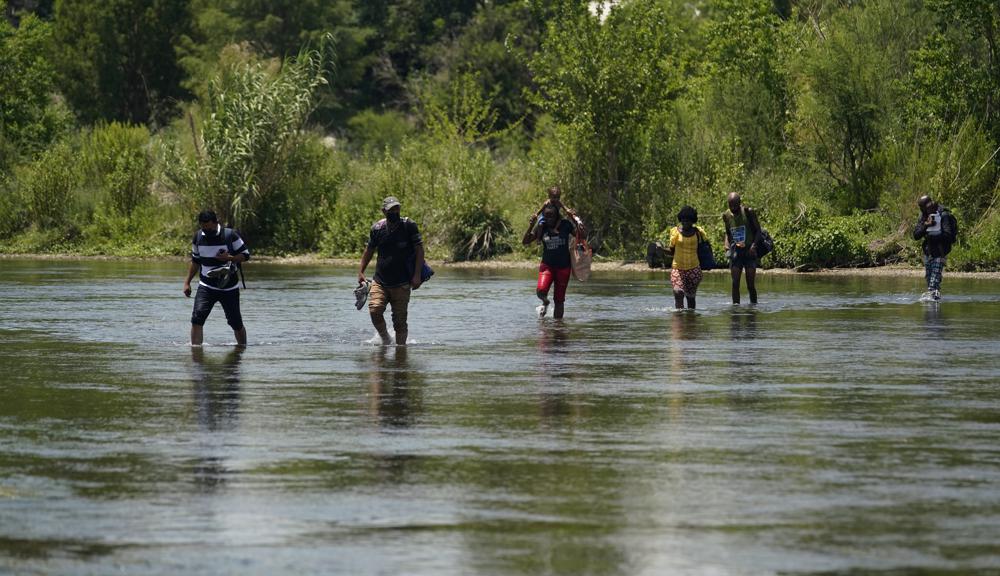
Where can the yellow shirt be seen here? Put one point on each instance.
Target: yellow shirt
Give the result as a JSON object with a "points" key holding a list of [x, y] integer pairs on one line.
{"points": [[685, 248]]}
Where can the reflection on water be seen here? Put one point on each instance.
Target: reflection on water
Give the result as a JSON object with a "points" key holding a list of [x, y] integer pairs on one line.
{"points": [[216, 385], [216, 388], [840, 426], [394, 388]]}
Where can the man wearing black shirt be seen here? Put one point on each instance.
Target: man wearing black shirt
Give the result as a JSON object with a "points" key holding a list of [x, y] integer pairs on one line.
{"points": [[215, 253], [400, 251]]}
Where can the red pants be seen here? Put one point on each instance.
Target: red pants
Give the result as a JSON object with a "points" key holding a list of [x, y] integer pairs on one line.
{"points": [[546, 274]]}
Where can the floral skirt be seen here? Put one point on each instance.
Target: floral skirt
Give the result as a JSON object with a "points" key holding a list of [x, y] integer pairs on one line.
{"points": [[686, 281]]}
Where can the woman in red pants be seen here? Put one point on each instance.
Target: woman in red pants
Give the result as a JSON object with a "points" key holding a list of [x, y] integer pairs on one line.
{"points": [[555, 234]]}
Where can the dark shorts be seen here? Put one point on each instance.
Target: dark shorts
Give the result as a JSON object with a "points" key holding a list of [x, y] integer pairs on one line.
{"points": [[742, 259], [206, 298]]}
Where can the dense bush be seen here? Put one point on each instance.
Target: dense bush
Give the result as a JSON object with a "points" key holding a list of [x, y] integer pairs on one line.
{"points": [[120, 164], [251, 132], [13, 214], [49, 185]]}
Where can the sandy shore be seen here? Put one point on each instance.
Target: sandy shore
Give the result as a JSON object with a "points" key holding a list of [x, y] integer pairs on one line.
{"points": [[598, 266]]}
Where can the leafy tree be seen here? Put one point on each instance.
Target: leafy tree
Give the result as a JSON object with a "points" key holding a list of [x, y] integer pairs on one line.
{"points": [[606, 76], [495, 46], [116, 58], [957, 71], [849, 88], [278, 29], [407, 39], [746, 94], [29, 119]]}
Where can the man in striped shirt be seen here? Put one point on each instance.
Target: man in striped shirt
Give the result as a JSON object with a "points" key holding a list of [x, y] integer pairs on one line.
{"points": [[216, 251]]}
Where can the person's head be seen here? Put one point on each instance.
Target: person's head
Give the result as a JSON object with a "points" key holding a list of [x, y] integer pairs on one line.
{"points": [[391, 209], [551, 215], [687, 216], [208, 221], [734, 202], [926, 204], [554, 192]]}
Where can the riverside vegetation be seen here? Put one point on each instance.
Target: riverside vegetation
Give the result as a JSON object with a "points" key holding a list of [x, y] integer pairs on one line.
{"points": [[121, 119]]}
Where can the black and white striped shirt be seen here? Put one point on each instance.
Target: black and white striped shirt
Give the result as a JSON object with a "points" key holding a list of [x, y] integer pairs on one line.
{"points": [[204, 248]]}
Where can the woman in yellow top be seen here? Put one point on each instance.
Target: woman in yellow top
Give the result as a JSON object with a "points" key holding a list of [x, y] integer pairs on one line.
{"points": [[685, 274]]}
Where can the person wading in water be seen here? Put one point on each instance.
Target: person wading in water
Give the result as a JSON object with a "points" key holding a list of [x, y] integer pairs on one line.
{"points": [[398, 243], [216, 252], [685, 272], [555, 233], [742, 233]]}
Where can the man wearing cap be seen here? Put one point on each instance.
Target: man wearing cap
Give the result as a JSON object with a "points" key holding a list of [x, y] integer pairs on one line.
{"points": [[397, 271]]}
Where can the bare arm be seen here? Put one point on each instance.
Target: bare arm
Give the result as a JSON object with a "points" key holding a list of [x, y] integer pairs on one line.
{"points": [[727, 242], [752, 218], [192, 270], [577, 221], [365, 259], [531, 235], [418, 265]]}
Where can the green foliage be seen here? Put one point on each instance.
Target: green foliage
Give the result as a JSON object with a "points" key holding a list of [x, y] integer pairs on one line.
{"points": [[251, 131], [13, 213], [117, 156], [48, 186], [373, 132], [281, 29], [849, 88], [606, 76], [116, 58], [830, 118], [29, 120], [745, 85], [979, 245], [462, 113], [149, 230], [827, 241], [348, 223], [479, 232], [959, 68], [293, 218], [453, 191]]}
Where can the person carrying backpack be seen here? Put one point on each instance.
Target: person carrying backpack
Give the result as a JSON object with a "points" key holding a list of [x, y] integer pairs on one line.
{"points": [[399, 269], [216, 253], [742, 237], [939, 230]]}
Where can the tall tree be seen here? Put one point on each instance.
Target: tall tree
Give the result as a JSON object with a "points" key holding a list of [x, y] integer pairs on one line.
{"points": [[605, 76], [280, 29], [28, 119], [116, 58]]}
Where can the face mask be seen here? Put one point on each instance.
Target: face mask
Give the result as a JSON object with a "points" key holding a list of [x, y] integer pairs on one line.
{"points": [[392, 217]]}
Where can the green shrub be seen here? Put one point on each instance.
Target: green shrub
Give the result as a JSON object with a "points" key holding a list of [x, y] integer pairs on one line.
{"points": [[348, 225], [479, 233], [371, 132], [253, 126], [121, 168], [829, 242], [978, 247], [13, 213], [293, 218], [49, 185]]}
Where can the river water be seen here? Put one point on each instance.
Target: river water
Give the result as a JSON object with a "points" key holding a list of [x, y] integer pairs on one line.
{"points": [[840, 426]]}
